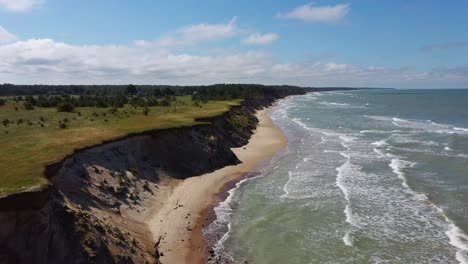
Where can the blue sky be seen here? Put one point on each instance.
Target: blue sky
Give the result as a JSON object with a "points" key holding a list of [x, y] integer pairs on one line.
{"points": [[399, 43]]}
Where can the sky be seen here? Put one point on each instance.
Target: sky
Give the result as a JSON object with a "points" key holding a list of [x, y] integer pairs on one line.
{"points": [[360, 43]]}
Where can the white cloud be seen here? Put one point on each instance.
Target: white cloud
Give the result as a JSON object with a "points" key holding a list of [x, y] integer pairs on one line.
{"points": [[324, 14], [260, 39], [193, 34], [47, 61], [6, 36], [20, 5]]}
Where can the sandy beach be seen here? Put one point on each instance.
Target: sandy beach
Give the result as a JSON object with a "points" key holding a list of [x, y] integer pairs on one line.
{"points": [[177, 221]]}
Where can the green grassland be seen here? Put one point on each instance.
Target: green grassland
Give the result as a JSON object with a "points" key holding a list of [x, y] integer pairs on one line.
{"points": [[27, 146]]}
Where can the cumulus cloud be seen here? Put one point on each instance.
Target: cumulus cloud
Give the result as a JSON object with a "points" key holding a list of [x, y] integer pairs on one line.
{"points": [[47, 61], [260, 39], [6, 36], [323, 14], [20, 5], [193, 34]]}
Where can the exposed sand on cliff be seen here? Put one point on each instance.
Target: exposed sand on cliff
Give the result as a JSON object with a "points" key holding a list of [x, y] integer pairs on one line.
{"points": [[177, 223]]}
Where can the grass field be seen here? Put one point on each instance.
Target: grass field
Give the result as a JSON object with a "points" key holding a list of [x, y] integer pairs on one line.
{"points": [[27, 146]]}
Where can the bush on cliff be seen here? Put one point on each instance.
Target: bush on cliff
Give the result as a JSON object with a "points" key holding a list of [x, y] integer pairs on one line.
{"points": [[65, 107]]}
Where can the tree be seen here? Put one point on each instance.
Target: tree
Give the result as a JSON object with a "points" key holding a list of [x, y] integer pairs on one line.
{"points": [[28, 105], [131, 89], [5, 122], [65, 107], [146, 110]]}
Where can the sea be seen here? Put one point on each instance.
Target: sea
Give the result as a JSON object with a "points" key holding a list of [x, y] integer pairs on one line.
{"points": [[368, 176]]}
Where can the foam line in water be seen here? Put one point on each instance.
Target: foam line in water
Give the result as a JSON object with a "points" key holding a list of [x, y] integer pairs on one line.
{"points": [[398, 166], [425, 125], [285, 187], [378, 144], [461, 129], [223, 219], [348, 241], [457, 237], [346, 169], [349, 214], [340, 179]]}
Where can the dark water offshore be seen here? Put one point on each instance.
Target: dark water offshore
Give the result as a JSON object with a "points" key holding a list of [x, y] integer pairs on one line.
{"points": [[375, 176]]}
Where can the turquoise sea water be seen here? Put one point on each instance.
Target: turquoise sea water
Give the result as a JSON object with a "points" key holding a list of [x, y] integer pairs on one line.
{"points": [[375, 176]]}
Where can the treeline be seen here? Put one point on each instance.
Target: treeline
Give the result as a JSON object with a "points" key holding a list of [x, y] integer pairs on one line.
{"points": [[67, 103], [210, 92]]}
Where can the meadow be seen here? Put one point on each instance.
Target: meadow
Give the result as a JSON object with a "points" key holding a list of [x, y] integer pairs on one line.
{"points": [[31, 139]]}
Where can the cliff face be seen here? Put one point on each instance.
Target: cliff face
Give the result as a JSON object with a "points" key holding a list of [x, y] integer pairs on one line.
{"points": [[93, 209]]}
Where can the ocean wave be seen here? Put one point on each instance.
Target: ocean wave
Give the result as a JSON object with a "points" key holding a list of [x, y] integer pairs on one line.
{"points": [[375, 131], [430, 152], [306, 127], [334, 104], [339, 105], [425, 125], [346, 169], [461, 129], [347, 166], [222, 223], [347, 239], [285, 187], [399, 166], [457, 237], [379, 144]]}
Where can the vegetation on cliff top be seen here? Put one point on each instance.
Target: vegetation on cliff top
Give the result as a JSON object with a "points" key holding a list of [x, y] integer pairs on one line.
{"points": [[40, 129]]}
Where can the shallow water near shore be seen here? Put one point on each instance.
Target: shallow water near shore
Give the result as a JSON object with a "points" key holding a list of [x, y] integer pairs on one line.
{"points": [[371, 176]]}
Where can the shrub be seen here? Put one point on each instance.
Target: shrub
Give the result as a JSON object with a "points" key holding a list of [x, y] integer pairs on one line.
{"points": [[146, 111], [113, 110], [5, 122], [65, 107], [28, 105], [65, 120], [63, 125], [2, 102]]}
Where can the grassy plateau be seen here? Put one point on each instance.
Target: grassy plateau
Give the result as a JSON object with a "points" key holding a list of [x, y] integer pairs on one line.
{"points": [[34, 138]]}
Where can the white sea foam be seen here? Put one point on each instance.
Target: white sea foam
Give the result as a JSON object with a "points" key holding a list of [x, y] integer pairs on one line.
{"points": [[348, 241], [346, 169], [378, 144], [222, 223], [398, 166], [461, 129], [375, 131], [457, 237], [285, 187], [339, 105], [425, 125], [334, 104], [340, 179]]}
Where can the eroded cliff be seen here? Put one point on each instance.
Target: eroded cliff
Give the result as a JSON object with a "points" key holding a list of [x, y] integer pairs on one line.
{"points": [[94, 207]]}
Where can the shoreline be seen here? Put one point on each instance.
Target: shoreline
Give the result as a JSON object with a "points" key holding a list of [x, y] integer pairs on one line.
{"points": [[177, 225]]}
